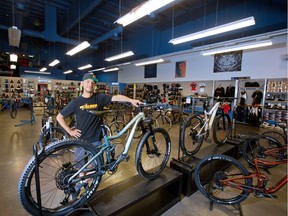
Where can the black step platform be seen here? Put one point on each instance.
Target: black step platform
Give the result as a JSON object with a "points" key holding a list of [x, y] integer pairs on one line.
{"points": [[186, 165], [137, 196]]}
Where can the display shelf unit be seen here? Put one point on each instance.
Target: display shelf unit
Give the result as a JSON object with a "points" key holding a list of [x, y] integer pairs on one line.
{"points": [[275, 101]]}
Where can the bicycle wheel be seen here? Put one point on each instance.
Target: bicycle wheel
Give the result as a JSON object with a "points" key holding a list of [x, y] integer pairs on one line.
{"points": [[153, 152], [165, 122], [280, 137], [54, 171], [221, 179], [222, 127], [260, 148], [183, 117], [13, 109], [115, 128], [190, 141], [53, 134]]}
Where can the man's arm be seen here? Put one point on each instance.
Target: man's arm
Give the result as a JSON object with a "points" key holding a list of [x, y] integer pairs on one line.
{"points": [[61, 120], [123, 98]]}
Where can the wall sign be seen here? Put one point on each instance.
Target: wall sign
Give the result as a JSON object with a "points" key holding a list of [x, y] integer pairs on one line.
{"points": [[227, 62]]}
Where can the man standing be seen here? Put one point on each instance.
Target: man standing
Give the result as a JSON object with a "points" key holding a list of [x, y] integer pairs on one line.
{"points": [[88, 125]]}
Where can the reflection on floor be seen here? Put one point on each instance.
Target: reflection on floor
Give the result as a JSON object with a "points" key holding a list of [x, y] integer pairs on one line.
{"points": [[16, 150]]}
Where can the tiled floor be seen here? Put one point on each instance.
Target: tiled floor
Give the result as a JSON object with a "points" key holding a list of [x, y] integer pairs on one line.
{"points": [[16, 150]]}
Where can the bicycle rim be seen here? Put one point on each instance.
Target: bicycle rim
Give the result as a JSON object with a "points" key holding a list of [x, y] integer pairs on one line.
{"points": [[190, 141], [153, 153], [56, 165], [220, 179], [260, 148], [165, 122], [221, 129]]}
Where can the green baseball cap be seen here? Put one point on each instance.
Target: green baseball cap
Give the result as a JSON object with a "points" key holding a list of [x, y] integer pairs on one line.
{"points": [[90, 76]]}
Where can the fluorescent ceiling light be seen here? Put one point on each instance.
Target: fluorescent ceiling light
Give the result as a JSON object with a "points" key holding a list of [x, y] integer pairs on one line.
{"points": [[141, 11], [37, 72], [243, 46], [98, 69], [111, 69], [78, 48], [149, 62], [67, 72], [12, 66], [85, 67], [13, 57], [43, 69], [53, 63], [216, 30], [119, 56], [123, 64]]}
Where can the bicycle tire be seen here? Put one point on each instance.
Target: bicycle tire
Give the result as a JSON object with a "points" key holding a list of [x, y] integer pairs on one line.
{"points": [[47, 137], [152, 155], [189, 142], [53, 170], [115, 127], [212, 175], [222, 128], [257, 148], [165, 122], [183, 117], [13, 109], [280, 137]]}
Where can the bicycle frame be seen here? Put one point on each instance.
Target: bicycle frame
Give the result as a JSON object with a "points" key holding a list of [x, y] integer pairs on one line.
{"points": [[105, 146], [209, 118], [261, 177]]}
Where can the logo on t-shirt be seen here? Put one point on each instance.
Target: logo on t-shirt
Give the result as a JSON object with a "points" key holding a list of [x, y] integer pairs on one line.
{"points": [[88, 106]]}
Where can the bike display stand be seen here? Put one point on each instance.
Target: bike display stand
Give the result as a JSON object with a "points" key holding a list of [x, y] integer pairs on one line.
{"points": [[37, 181], [137, 196], [32, 115], [186, 164], [235, 206]]}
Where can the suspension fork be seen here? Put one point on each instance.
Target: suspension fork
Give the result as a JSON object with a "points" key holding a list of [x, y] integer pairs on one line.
{"points": [[154, 150]]}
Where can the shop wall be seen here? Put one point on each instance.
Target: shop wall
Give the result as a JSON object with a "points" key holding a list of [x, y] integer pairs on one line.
{"points": [[257, 64]]}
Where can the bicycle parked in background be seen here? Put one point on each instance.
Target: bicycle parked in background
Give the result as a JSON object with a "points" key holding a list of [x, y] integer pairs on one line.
{"points": [[197, 128], [60, 173], [10, 104]]}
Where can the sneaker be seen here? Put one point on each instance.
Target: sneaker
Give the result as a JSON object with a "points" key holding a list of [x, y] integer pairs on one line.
{"points": [[77, 189]]}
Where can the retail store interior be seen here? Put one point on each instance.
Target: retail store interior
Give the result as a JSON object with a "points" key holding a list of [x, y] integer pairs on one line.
{"points": [[237, 75]]}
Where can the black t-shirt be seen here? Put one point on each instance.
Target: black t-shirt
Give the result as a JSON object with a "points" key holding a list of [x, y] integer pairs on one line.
{"points": [[88, 123]]}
